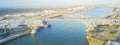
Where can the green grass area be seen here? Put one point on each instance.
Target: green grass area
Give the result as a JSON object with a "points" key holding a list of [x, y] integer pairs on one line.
{"points": [[93, 41], [91, 31], [30, 29]]}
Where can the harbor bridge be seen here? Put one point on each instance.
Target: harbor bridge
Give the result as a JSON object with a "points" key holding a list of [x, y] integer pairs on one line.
{"points": [[36, 21]]}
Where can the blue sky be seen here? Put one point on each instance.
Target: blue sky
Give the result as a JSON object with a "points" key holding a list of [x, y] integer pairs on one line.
{"points": [[51, 3]]}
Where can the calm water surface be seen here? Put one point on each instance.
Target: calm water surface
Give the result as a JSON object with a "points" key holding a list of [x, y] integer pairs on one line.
{"points": [[98, 12], [60, 33]]}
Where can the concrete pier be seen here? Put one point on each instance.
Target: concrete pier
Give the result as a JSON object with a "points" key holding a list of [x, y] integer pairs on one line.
{"points": [[32, 31], [13, 37]]}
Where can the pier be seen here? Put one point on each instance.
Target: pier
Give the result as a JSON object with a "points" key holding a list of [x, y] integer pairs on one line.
{"points": [[13, 37]]}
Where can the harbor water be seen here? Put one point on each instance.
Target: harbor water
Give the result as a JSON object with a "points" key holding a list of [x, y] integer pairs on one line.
{"points": [[64, 32]]}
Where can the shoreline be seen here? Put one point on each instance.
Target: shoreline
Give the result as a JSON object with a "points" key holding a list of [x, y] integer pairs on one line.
{"points": [[27, 32]]}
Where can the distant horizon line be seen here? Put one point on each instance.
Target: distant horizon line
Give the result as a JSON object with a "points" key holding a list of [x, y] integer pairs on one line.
{"points": [[108, 5]]}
